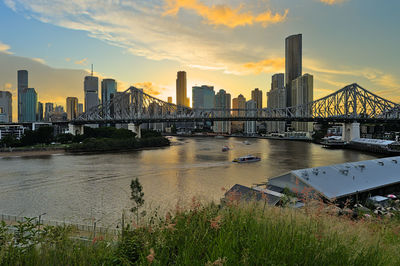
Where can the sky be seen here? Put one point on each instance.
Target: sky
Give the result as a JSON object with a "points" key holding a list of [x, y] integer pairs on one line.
{"points": [[233, 45]]}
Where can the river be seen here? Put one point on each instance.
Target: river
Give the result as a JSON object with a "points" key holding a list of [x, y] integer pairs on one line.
{"points": [[85, 188]]}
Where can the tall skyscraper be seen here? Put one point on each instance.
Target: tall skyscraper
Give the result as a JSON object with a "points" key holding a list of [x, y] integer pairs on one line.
{"points": [[238, 103], [250, 127], [181, 89], [256, 95], [48, 110], [276, 98], [22, 77], [169, 99], [91, 89], [39, 114], [29, 105], [80, 108], [222, 102], [302, 94], [293, 63], [5, 107], [108, 88], [203, 97], [72, 108]]}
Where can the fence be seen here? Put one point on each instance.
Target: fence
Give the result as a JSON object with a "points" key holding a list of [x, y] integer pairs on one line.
{"points": [[80, 227]]}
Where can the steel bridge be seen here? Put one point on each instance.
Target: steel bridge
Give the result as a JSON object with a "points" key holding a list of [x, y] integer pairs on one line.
{"points": [[347, 105]]}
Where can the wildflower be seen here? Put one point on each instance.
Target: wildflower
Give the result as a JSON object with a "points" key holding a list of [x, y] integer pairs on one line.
{"points": [[215, 223], [195, 203], [218, 262], [171, 227], [223, 189], [150, 257], [168, 217], [94, 240]]}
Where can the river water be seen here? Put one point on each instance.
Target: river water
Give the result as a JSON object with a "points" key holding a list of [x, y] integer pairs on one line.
{"points": [[84, 188]]}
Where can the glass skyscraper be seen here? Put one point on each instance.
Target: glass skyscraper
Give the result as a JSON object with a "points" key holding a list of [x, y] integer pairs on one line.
{"points": [[293, 63], [91, 87], [108, 88], [29, 105], [22, 84]]}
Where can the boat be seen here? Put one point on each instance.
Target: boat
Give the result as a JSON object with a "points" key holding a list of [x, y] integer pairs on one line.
{"points": [[333, 142], [225, 148], [247, 159], [246, 142], [219, 137]]}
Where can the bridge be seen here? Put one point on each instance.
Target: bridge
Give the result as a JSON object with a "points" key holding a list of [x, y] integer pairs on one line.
{"points": [[351, 104]]}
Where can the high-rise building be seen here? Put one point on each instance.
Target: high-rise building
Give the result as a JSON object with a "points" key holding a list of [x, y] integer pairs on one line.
{"points": [[108, 88], [91, 89], [293, 63], [250, 127], [238, 103], [276, 98], [80, 108], [181, 89], [169, 99], [22, 77], [256, 95], [203, 97], [29, 105], [39, 114], [223, 103], [72, 108], [5, 107], [302, 94], [48, 110]]}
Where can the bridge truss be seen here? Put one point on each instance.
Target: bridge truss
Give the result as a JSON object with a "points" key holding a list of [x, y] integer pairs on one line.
{"points": [[349, 104]]}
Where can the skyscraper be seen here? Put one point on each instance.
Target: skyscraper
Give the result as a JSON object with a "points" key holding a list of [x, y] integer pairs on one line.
{"points": [[276, 98], [72, 108], [238, 103], [80, 108], [181, 89], [29, 105], [108, 88], [203, 97], [222, 102], [22, 84], [293, 63], [39, 115], [256, 95], [302, 94], [5, 107], [91, 89], [48, 110], [250, 127]]}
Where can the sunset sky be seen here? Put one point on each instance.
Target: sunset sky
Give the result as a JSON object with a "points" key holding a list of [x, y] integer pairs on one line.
{"points": [[233, 45]]}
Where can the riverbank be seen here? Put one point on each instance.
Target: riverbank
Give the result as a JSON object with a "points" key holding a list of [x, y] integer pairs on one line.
{"points": [[31, 152], [236, 136]]}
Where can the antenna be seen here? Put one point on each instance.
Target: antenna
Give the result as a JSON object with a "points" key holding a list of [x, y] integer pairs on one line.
{"points": [[92, 70]]}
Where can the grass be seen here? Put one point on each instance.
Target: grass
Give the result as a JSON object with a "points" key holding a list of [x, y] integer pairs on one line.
{"points": [[232, 235]]}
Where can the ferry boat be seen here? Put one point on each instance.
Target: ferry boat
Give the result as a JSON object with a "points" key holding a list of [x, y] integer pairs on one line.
{"points": [[333, 142], [247, 159], [246, 142], [225, 148]]}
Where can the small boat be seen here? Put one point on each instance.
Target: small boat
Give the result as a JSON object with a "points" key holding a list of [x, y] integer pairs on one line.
{"points": [[219, 137], [247, 159], [246, 142], [333, 142], [225, 148]]}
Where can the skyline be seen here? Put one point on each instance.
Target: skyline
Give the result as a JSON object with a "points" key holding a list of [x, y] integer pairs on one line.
{"points": [[238, 68]]}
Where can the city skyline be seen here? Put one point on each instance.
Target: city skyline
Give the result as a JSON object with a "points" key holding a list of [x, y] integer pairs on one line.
{"points": [[344, 62]]}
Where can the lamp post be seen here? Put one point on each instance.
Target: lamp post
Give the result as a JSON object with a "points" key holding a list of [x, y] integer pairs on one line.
{"points": [[40, 216]]}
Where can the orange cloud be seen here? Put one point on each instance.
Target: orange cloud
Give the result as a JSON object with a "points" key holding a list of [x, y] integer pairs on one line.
{"points": [[82, 62], [5, 48], [150, 88], [332, 2], [224, 15], [267, 65]]}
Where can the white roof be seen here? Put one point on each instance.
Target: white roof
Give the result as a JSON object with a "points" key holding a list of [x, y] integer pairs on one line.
{"points": [[340, 180], [373, 141]]}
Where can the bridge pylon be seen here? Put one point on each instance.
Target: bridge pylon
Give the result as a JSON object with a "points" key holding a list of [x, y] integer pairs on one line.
{"points": [[75, 129], [350, 131], [135, 128]]}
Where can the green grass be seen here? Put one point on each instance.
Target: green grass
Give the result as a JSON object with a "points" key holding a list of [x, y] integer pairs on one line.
{"points": [[233, 235]]}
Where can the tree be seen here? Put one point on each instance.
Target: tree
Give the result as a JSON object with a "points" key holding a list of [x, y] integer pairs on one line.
{"points": [[137, 197]]}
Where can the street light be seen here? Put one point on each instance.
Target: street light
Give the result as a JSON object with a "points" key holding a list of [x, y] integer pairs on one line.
{"points": [[41, 216]]}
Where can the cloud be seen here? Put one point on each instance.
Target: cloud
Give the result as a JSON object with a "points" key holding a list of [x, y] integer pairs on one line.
{"points": [[67, 59], [5, 48], [150, 88], [223, 14], [266, 66], [332, 2], [39, 60], [82, 62]]}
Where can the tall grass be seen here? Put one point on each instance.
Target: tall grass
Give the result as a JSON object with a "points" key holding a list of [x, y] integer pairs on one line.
{"points": [[232, 235]]}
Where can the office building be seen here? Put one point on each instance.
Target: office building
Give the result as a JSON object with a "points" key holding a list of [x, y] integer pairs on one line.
{"points": [[250, 127], [48, 110], [108, 88], [238, 103], [203, 97], [39, 114], [181, 89], [91, 90], [80, 108], [302, 94], [223, 103], [169, 99], [256, 95], [72, 108], [5, 107], [293, 63], [22, 78], [29, 105], [276, 98]]}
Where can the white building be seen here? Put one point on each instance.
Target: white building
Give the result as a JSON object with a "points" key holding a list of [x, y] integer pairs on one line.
{"points": [[302, 94], [276, 98], [250, 127]]}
